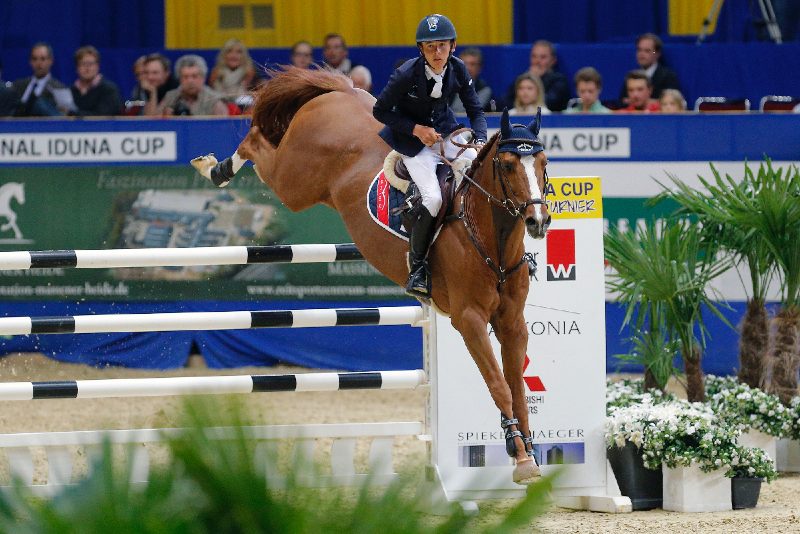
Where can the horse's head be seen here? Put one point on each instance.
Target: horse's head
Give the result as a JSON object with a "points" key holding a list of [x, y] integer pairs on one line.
{"points": [[13, 190], [520, 164]]}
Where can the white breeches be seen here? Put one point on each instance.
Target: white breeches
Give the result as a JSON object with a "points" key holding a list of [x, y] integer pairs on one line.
{"points": [[422, 169]]}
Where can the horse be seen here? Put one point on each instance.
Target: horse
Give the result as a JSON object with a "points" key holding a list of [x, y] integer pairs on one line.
{"points": [[313, 140], [8, 191]]}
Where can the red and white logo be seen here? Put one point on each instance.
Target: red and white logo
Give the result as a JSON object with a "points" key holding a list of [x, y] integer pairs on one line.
{"points": [[560, 255], [534, 383]]}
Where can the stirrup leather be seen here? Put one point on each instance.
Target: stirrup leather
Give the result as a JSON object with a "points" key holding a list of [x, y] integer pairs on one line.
{"points": [[509, 435]]}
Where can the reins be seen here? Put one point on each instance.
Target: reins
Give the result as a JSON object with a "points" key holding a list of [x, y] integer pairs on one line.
{"points": [[516, 211]]}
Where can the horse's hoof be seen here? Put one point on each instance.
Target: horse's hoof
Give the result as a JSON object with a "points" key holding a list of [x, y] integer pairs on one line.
{"points": [[204, 164], [526, 472]]}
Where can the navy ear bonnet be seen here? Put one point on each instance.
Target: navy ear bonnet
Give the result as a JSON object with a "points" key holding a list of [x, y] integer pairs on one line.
{"points": [[519, 139]]}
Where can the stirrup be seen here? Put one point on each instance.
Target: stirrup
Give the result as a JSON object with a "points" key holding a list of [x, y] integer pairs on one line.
{"points": [[509, 435]]}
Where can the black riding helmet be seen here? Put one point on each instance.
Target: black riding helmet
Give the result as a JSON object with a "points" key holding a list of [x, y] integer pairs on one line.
{"points": [[435, 28]]}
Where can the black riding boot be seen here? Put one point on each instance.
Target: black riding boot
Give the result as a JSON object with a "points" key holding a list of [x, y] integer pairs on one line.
{"points": [[419, 276]]}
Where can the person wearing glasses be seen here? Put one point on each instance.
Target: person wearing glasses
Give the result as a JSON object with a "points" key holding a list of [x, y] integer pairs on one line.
{"points": [[648, 56]]}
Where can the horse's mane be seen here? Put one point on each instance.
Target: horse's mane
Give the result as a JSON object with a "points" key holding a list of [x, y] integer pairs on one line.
{"points": [[482, 154], [286, 90]]}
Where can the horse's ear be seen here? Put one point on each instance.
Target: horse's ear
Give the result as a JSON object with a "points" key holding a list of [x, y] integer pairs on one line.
{"points": [[536, 123], [505, 125]]}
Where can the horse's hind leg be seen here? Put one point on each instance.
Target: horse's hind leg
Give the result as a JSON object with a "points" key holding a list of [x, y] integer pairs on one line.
{"points": [[473, 329]]}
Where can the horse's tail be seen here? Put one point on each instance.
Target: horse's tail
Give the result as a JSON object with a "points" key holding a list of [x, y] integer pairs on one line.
{"points": [[286, 91]]}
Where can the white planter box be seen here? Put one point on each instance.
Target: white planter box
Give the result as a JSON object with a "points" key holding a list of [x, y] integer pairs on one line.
{"points": [[788, 455], [760, 440], [688, 489]]}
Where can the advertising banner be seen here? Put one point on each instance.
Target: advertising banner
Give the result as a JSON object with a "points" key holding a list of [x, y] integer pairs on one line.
{"points": [[56, 208], [564, 366]]}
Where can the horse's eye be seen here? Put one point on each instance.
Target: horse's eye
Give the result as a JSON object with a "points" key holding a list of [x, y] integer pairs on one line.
{"points": [[508, 167]]}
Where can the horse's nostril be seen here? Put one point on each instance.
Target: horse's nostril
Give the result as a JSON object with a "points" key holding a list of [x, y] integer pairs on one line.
{"points": [[530, 221], [549, 219]]}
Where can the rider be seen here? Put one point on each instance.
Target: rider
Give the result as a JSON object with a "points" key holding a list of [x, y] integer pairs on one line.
{"points": [[414, 107]]}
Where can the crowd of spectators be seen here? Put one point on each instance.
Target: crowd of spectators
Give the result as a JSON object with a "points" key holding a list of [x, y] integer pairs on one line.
{"points": [[194, 89]]}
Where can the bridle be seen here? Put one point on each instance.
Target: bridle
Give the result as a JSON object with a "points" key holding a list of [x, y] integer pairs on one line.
{"points": [[508, 202]]}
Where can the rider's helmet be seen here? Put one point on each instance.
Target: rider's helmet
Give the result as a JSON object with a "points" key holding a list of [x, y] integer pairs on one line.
{"points": [[435, 28]]}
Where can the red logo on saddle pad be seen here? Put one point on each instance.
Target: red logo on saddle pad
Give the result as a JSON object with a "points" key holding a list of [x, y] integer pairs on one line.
{"points": [[560, 255], [534, 383], [383, 199]]}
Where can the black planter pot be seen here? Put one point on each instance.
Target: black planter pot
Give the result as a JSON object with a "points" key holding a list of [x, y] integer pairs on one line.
{"points": [[745, 492], [643, 486]]}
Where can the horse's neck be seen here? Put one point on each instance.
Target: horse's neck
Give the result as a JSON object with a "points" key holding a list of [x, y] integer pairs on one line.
{"points": [[500, 233]]}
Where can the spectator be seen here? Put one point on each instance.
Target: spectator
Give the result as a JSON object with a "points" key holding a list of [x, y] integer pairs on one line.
{"points": [[158, 81], [362, 78], [334, 54], [138, 94], [639, 90], [37, 93], [193, 96], [473, 60], [648, 55], [234, 73], [302, 55], [528, 95], [92, 93], [8, 98], [588, 86], [543, 60], [672, 101]]}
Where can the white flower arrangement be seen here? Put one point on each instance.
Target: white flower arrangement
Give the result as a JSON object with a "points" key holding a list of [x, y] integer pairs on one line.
{"points": [[739, 404], [674, 434], [793, 414], [624, 393], [752, 462]]}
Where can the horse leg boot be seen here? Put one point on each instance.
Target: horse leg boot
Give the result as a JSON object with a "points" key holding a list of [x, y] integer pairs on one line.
{"points": [[419, 279], [220, 173]]}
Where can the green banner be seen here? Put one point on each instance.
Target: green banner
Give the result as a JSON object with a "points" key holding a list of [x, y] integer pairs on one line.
{"points": [[171, 206]]}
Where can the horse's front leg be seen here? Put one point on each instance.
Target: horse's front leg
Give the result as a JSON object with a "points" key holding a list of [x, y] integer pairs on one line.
{"points": [[511, 332], [472, 326], [254, 147]]}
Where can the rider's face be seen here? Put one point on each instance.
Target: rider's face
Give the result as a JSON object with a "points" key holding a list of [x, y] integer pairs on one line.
{"points": [[436, 54]]}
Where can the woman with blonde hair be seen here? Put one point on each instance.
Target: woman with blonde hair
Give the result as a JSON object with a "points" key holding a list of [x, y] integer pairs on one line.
{"points": [[672, 101], [234, 72], [528, 95]]}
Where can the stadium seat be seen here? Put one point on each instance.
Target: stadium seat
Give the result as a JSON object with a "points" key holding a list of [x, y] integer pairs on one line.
{"points": [[778, 103], [712, 104]]}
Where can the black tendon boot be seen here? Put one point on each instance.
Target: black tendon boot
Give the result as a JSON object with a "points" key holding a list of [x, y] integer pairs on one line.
{"points": [[419, 279]]}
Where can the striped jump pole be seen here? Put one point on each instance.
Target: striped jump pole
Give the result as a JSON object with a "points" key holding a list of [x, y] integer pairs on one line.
{"points": [[232, 320], [178, 257], [210, 385]]}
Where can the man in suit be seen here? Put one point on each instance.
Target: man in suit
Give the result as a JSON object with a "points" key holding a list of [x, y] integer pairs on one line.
{"points": [[35, 92], [648, 54], [543, 61]]}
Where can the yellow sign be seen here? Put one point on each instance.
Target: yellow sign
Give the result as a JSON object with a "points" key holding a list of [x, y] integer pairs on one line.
{"points": [[577, 197]]}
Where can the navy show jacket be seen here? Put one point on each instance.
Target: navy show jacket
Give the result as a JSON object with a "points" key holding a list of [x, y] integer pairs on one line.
{"points": [[405, 102]]}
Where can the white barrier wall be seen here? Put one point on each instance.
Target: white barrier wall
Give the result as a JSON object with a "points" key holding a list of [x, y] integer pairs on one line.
{"points": [[565, 376]]}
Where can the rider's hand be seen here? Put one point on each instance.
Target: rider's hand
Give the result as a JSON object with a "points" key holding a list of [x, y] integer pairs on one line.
{"points": [[426, 134]]}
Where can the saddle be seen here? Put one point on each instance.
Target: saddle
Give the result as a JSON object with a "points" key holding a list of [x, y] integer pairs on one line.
{"points": [[398, 177]]}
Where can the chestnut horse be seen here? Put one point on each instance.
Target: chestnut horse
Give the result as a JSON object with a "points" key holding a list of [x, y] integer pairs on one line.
{"points": [[313, 140]]}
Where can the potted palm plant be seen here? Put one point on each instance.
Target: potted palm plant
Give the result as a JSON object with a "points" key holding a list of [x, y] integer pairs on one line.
{"points": [[715, 207], [662, 275]]}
